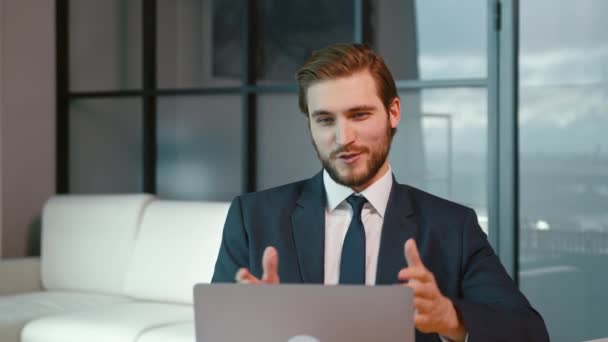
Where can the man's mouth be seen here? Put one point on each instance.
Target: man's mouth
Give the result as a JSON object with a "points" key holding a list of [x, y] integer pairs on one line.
{"points": [[348, 157]]}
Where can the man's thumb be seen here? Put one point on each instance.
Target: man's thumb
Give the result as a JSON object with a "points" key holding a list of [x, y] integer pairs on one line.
{"points": [[270, 264], [411, 253]]}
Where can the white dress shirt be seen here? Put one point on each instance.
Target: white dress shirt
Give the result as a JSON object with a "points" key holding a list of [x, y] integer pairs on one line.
{"points": [[338, 215]]}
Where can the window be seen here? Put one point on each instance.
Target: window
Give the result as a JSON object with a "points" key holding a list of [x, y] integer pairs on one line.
{"points": [[195, 99], [564, 165]]}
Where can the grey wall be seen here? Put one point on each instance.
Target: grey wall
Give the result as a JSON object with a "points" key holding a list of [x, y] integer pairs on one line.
{"points": [[1, 110], [27, 118]]}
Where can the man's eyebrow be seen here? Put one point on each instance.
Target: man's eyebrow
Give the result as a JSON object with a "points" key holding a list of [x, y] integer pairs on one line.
{"points": [[363, 108], [319, 112]]}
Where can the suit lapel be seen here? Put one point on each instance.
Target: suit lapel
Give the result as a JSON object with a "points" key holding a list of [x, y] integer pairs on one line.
{"points": [[308, 223], [399, 225]]}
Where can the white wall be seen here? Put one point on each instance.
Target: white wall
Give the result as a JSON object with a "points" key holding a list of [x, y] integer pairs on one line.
{"points": [[27, 118]]}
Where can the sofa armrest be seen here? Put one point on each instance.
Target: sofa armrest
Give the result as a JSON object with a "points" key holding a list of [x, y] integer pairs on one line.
{"points": [[19, 275]]}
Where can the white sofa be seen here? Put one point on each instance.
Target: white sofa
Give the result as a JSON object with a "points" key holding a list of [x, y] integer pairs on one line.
{"points": [[112, 268]]}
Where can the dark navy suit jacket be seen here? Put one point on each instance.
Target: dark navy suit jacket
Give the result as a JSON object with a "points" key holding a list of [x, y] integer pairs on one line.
{"points": [[451, 244]]}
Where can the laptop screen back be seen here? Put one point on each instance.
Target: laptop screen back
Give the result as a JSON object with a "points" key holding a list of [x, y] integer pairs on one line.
{"points": [[303, 313]]}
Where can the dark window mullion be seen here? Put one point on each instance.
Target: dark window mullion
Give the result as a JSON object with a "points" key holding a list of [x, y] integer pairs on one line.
{"points": [[62, 128], [249, 36], [362, 28], [149, 98]]}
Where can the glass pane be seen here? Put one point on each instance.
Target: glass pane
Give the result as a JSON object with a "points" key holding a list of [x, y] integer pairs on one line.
{"points": [[105, 45], [105, 152], [200, 147], [430, 39], [441, 145], [285, 155], [199, 43], [289, 31], [564, 164]]}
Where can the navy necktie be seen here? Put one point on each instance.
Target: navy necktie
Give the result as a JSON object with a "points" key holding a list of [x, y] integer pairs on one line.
{"points": [[352, 263]]}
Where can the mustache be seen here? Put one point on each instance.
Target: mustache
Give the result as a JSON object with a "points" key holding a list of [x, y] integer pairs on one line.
{"points": [[348, 150]]}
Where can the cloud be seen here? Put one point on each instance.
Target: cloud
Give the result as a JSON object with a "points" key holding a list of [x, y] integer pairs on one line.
{"points": [[565, 67], [452, 66]]}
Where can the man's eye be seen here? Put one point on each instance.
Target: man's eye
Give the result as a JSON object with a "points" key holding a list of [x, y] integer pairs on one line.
{"points": [[361, 114], [325, 120]]}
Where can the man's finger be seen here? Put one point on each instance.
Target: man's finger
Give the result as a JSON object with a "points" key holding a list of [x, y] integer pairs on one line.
{"points": [[414, 273], [243, 276], [421, 290], [422, 322], [411, 254], [270, 265], [423, 305]]}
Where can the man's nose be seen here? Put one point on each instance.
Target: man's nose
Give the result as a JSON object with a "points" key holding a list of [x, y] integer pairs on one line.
{"points": [[344, 133]]}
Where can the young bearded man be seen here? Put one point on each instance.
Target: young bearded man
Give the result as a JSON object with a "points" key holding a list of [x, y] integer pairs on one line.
{"points": [[352, 223]]}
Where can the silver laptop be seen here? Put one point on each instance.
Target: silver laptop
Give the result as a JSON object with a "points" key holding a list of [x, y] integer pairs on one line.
{"points": [[303, 313]]}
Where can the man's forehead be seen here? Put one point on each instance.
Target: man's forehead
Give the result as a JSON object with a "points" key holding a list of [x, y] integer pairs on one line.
{"points": [[343, 93], [361, 78]]}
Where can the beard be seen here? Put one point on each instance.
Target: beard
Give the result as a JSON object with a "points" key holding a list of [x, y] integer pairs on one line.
{"points": [[377, 155]]}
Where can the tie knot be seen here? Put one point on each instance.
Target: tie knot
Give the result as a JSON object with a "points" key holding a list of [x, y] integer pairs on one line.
{"points": [[356, 202]]}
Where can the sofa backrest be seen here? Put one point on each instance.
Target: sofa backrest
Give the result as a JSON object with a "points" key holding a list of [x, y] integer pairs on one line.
{"points": [[87, 241], [176, 247]]}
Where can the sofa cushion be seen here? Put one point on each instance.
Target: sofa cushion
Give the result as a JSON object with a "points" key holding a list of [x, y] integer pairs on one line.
{"points": [[176, 247], [17, 310], [122, 322], [87, 241], [183, 332]]}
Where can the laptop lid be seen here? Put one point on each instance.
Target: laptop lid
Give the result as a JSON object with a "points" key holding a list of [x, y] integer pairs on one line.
{"points": [[303, 313]]}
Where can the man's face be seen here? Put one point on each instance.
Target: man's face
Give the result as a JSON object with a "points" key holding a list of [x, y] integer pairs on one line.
{"points": [[350, 128]]}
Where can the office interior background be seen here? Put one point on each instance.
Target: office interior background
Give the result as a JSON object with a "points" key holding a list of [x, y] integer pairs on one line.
{"points": [[505, 109]]}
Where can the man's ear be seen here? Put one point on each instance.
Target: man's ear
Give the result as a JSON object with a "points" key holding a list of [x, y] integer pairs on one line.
{"points": [[394, 112]]}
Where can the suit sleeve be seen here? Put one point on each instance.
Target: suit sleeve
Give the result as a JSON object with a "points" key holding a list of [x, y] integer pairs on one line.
{"points": [[491, 306], [234, 249]]}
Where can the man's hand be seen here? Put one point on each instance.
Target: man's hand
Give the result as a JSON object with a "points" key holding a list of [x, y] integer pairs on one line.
{"points": [[270, 265], [434, 313]]}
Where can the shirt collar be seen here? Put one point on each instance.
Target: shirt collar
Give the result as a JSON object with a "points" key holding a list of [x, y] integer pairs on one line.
{"points": [[376, 194]]}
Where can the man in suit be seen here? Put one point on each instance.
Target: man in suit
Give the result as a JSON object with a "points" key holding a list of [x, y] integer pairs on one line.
{"points": [[353, 223]]}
